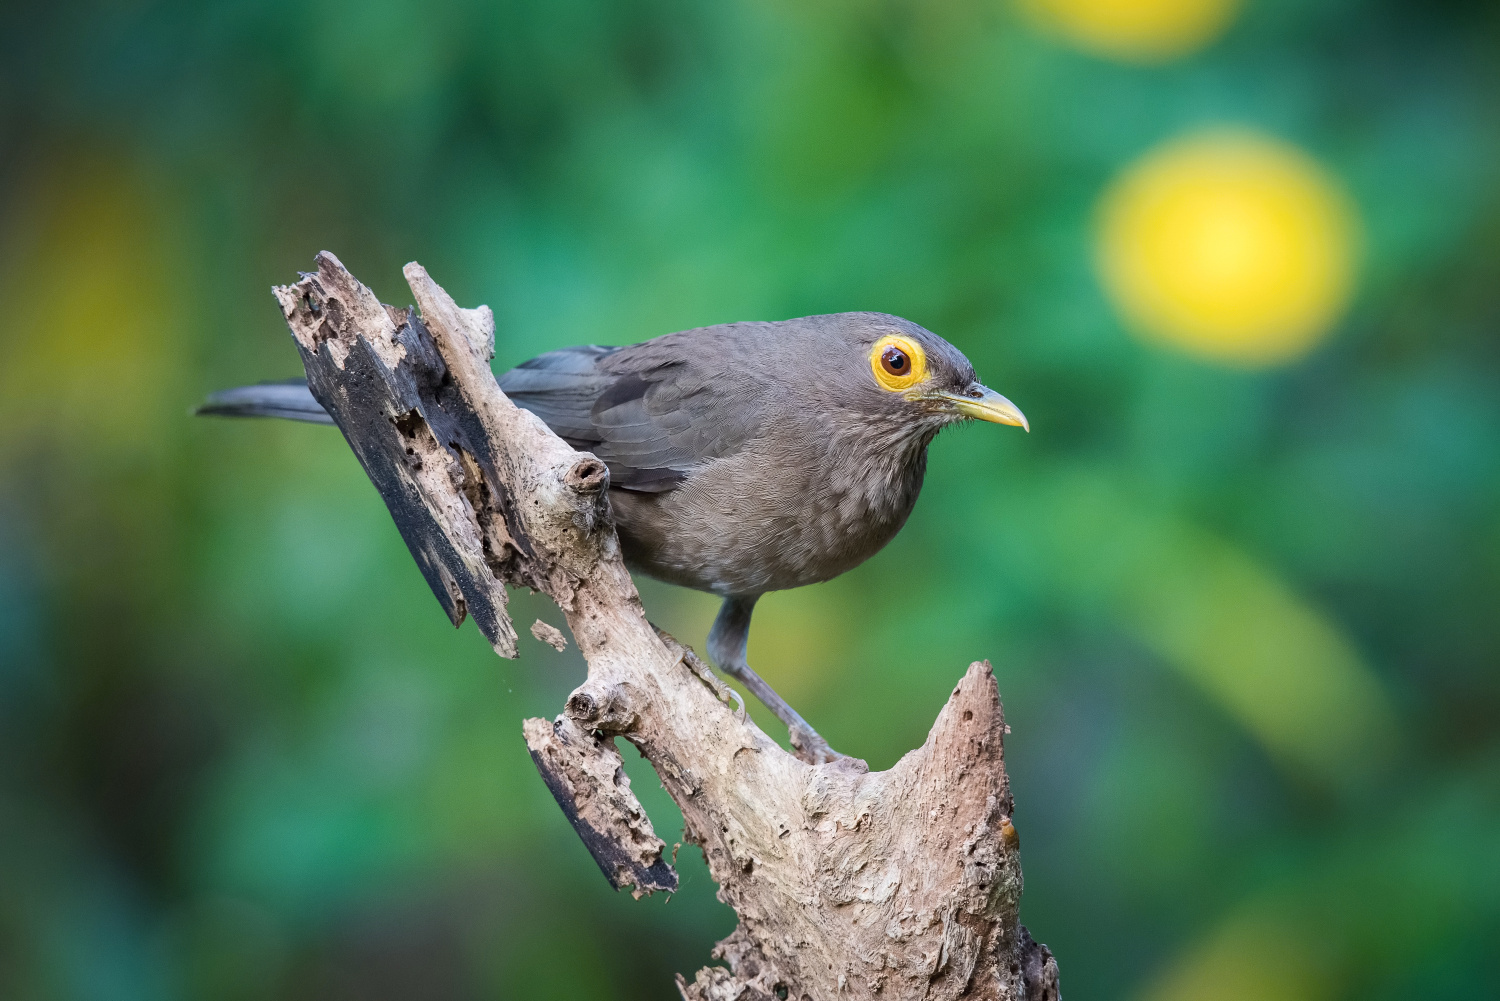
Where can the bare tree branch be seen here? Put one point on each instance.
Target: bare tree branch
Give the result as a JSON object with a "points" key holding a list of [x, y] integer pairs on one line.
{"points": [[847, 883]]}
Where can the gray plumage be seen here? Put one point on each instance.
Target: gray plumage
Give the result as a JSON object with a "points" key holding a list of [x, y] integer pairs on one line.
{"points": [[743, 458], [286, 398], [748, 457]]}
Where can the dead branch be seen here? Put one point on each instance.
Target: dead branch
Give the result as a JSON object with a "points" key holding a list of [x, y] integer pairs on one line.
{"points": [[847, 883]]}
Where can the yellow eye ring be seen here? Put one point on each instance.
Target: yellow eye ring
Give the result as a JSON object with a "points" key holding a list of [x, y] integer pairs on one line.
{"points": [[898, 363]]}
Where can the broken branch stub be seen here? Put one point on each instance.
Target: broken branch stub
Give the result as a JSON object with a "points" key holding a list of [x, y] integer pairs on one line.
{"points": [[377, 372], [847, 883]]}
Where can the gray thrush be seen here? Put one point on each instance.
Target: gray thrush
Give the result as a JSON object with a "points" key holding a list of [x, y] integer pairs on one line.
{"points": [[745, 457]]}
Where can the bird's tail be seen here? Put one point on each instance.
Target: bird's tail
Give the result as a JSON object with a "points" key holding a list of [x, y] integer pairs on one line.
{"points": [[289, 399]]}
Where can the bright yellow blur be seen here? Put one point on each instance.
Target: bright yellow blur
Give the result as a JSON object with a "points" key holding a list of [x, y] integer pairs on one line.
{"points": [[1229, 245], [1136, 30]]}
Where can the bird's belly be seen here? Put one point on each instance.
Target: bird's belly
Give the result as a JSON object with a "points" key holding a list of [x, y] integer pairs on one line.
{"points": [[752, 539]]}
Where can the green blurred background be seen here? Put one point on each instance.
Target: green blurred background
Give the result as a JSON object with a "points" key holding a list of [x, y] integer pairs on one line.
{"points": [[1239, 585]]}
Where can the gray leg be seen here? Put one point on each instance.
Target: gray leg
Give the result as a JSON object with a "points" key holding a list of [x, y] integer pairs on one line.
{"points": [[726, 645]]}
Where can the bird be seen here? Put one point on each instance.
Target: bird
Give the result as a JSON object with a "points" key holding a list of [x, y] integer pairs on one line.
{"points": [[744, 457]]}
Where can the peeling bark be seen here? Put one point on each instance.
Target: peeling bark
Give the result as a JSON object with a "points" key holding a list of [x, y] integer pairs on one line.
{"points": [[549, 634], [847, 883]]}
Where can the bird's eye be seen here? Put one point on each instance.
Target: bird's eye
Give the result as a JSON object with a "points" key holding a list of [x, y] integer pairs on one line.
{"points": [[898, 363]]}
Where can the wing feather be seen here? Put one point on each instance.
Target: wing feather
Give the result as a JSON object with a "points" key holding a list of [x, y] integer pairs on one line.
{"points": [[648, 411]]}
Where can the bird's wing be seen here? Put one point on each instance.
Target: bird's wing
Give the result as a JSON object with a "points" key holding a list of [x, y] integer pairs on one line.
{"points": [[652, 412], [560, 387]]}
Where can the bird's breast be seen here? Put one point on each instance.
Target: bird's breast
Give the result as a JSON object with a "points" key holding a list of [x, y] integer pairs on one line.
{"points": [[775, 515]]}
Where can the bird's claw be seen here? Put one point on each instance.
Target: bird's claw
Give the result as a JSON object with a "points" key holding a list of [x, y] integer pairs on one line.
{"points": [[808, 746]]}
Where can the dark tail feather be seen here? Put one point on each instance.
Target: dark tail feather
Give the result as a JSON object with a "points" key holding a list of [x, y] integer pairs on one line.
{"points": [[290, 399]]}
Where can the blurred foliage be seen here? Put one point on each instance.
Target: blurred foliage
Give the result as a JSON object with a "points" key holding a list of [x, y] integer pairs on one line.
{"points": [[1243, 617]]}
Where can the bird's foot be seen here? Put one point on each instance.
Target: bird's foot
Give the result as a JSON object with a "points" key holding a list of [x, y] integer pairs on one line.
{"points": [[808, 746]]}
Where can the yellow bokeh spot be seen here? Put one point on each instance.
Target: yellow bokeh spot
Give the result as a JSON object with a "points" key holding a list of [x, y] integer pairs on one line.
{"points": [[1230, 245], [1136, 30]]}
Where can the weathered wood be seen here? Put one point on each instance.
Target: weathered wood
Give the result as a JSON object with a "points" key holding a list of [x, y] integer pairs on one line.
{"points": [[544, 632], [847, 883], [587, 778], [377, 373]]}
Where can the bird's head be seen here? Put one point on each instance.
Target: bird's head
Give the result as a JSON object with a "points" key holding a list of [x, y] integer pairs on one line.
{"points": [[908, 371]]}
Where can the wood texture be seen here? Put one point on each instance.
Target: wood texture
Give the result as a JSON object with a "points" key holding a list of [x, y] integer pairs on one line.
{"points": [[847, 883], [549, 634]]}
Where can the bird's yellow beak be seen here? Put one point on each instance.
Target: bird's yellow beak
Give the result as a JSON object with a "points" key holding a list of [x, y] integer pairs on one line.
{"points": [[984, 404]]}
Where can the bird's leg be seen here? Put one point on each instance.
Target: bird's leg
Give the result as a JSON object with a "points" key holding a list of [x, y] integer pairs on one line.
{"points": [[727, 641]]}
